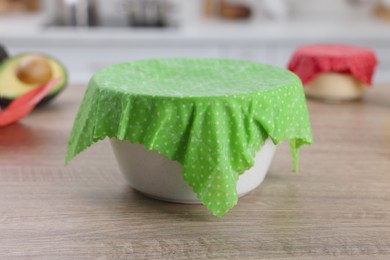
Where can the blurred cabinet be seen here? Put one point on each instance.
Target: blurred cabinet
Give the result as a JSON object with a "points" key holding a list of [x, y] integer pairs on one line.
{"points": [[281, 55], [83, 61], [245, 53], [383, 70]]}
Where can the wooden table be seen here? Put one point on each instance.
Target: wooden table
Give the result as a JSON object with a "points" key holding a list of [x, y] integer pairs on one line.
{"points": [[337, 206]]}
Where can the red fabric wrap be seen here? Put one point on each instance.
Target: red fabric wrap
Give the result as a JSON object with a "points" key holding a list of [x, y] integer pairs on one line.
{"points": [[309, 61]]}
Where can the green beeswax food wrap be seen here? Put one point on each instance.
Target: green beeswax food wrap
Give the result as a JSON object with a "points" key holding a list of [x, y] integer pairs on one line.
{"points": [[210, 115]]}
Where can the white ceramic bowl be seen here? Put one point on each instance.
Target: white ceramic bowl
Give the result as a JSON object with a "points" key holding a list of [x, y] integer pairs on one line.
{"points": [[159, 177], [335, 87]]}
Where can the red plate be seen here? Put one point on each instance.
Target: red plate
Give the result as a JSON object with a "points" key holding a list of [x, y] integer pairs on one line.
{"points": [[22, 106]]}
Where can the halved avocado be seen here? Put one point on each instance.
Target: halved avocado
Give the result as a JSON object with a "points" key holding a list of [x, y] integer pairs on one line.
{"points": [[3, 53], [12, 85]]}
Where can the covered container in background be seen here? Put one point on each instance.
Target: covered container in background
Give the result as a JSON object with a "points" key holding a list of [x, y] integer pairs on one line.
{"points": [[334, 72]]}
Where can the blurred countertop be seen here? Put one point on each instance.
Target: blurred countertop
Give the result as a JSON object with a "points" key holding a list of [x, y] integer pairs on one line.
{"points": [[19, 29]]}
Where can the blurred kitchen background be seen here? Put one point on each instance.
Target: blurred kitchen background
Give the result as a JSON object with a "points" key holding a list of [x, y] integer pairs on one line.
{"points": [[87, 35]]}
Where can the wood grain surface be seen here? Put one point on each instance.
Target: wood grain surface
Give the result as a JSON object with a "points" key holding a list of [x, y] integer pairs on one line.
{"points": [[336, 207]]}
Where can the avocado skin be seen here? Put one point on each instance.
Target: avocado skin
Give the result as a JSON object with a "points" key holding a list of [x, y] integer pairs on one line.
{"points": [[3, 53], [4, 102]]}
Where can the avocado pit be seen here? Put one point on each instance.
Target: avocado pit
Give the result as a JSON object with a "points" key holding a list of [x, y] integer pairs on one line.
{"points": [[34, 69]]}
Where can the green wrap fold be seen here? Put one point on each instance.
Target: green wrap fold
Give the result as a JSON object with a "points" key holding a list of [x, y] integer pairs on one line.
{"points": [[210, 115]]}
